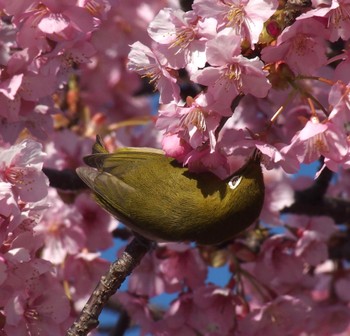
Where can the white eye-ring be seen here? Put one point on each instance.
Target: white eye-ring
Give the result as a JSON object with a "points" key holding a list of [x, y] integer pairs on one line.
{"points": [[235, 181]]}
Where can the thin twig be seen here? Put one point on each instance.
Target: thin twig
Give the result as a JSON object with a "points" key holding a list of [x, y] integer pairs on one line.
{"points": [[108, 285]]}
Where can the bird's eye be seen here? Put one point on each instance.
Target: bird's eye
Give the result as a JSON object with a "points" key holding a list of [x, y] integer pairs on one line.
{"points": [[235, 181]]}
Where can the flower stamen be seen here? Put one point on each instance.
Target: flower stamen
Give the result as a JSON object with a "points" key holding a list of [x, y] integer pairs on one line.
{"points": [[184, 37], [196, 118]]}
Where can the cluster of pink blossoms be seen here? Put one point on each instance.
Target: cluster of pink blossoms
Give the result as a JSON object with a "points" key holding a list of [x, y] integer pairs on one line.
{"points": [[69, 69], [208, 42]]}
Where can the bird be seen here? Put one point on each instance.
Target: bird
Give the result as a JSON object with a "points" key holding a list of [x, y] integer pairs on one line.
{"points": [[161, 200]]}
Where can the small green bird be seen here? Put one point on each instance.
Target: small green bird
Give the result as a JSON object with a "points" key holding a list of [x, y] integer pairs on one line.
{"points": [[161, 200]]}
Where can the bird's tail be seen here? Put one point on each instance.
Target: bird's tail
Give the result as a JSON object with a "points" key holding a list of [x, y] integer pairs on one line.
{"points": [[99, 146]]}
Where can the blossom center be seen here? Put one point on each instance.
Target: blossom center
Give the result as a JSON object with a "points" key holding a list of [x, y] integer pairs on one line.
{"points": [[317, 145], [339, 15], [15, 175], [195, 118], [235, 17], [184, 36], [302, 44], [151, 72], [320, 143], [94, 7], [55, 228], [230, 76]]}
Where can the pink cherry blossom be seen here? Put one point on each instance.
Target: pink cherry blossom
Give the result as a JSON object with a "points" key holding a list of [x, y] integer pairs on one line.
{"points": [[185, 316], [23, 86], [231, 73], [301, 46], [311, 248], [150, 63], [181, 266], [137, 307], [60, 226], [175, 147], [276, 266], [322, 225], [195, 123], [203, 159], [130, 20], [146, 279], [23, 271], [336, 14], [313, 235], [38, 123], [249, 114], [183, 34], [286, 314], [245, 17], [18, 7], [96, 223], [21, 165], [329, 319], [80, 287], [59, 22], [218, 305], [239, 143], [176, 319], [12, 262], [38, 311], [317, 139], [66, 150]]}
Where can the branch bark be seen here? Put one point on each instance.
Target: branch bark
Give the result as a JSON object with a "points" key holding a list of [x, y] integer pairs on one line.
{"points": [[108, 285], [314, 202], [336, 208]]}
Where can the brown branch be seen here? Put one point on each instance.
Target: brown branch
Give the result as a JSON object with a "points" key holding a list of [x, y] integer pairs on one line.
{"points": [[108, 285], [313, 202], [66, 179], [121, 233], [317, 191], [336, 208]]}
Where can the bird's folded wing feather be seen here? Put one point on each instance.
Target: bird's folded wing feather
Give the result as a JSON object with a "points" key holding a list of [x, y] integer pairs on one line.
{"points": [[108, 187], [124, 158]]}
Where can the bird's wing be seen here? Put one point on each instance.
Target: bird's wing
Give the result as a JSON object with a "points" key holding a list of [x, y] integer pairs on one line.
{"points": [[111, 192], [123, 159]]}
